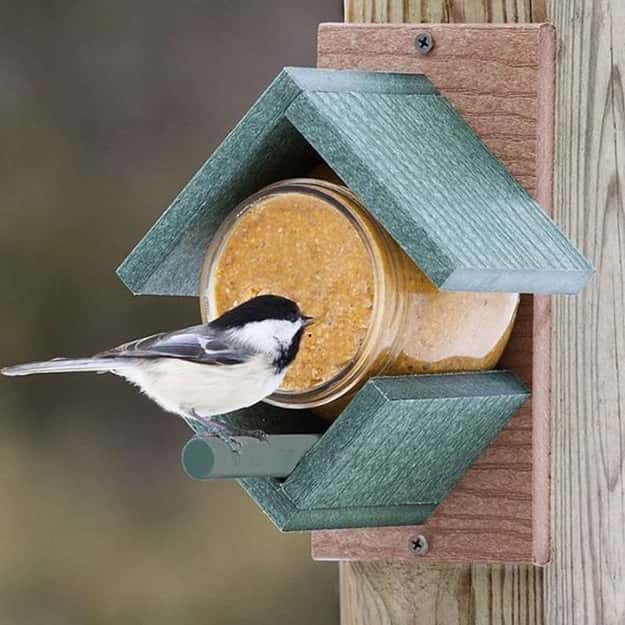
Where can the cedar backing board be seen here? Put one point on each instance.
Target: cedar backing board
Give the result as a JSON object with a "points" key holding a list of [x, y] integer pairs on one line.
{"points": [[501, 78]]}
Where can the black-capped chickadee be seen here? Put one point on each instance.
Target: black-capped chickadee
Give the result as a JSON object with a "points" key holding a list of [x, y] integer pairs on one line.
{"points": [[205, 370]]}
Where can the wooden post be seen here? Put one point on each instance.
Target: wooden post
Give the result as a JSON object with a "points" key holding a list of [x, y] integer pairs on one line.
{"points": [[585, 584]]}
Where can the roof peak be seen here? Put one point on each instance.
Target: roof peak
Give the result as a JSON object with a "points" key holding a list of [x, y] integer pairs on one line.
{"points": [[343, 80]]}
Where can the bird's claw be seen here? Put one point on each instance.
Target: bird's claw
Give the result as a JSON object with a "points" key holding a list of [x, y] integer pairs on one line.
{"points": [[259, 435], [231, 442], [228, 433]]}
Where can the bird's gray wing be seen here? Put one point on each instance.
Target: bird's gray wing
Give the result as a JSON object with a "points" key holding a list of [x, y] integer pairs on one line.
{"points": [[197, 343]]}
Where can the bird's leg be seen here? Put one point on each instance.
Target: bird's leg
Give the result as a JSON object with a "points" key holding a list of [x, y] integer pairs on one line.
{"points": [[213, 428], [226, 428], [233, 430], [225, 431], [189, 420]]}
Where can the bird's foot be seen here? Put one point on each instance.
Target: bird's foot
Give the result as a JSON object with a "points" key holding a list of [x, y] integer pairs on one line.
{"points": [[227, 432]]}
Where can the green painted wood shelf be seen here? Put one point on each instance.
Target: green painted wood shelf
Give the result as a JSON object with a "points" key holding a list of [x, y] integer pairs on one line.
{"points": [[411, 159], [394, 453]]}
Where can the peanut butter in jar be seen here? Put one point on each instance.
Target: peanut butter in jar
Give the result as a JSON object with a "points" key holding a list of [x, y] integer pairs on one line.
{"points": [[297, 245], [375, 312]]}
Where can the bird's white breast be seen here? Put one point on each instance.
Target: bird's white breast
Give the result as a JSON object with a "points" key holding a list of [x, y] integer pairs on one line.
{"points": [[181, 386]]}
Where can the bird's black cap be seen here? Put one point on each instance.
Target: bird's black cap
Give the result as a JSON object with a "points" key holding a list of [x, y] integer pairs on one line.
{"points": [[258, 308]]}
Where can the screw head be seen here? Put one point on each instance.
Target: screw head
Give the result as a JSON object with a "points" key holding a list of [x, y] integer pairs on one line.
{"points": [[418, 545], [424, 42]]}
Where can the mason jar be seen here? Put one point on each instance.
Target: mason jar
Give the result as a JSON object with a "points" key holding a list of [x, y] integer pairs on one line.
{"points": [[375, 312]]}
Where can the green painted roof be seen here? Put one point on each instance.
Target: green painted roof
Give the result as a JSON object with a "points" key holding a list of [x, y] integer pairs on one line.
{"points": [[411, 159]]}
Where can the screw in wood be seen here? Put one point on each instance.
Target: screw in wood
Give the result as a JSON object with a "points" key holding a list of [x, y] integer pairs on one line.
{"points": [[418, 545], [424, 42]]}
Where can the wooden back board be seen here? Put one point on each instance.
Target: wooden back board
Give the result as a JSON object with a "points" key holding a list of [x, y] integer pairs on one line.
{"points": [[501, 78]]}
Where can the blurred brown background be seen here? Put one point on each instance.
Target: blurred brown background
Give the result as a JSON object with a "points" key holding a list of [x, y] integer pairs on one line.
{"points": [[106, 110]]}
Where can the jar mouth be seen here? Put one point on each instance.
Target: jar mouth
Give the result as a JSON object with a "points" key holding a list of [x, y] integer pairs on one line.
{"points": [[372, 237]]}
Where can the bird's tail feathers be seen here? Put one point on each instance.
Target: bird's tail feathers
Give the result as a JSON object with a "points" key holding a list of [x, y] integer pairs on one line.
{"points": [[66, 365]]}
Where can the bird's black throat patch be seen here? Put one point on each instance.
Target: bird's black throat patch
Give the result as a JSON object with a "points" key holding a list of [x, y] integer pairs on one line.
{"points": [[287, 353]]}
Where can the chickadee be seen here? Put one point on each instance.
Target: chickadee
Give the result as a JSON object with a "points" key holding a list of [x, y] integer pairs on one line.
{"points": [[205, 370]]}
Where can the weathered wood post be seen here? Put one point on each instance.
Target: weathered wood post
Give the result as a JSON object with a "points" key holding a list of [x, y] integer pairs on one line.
{"points": [[585, 582]]}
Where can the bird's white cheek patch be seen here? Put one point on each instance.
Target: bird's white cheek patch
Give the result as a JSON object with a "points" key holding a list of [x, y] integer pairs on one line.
{"points": [[268, 335]]}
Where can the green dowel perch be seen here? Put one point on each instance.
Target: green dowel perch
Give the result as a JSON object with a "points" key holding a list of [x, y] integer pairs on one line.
{"points": [[290, 434], [210, 458]]}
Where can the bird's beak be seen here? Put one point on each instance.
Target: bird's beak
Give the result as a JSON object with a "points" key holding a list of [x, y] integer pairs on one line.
{"points": [[306, 321]]}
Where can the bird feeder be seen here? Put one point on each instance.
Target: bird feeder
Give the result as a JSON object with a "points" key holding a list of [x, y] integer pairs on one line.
{"points": [[401, 446]]}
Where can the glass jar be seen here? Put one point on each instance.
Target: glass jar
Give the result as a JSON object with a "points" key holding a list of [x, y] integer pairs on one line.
{"points": [[408, 326]]}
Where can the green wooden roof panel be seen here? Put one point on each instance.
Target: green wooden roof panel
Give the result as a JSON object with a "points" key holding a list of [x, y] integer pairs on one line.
{"points": [[405, 152], [421, 170], [263, 148]]}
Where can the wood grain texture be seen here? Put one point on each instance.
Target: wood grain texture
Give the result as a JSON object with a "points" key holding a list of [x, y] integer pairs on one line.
{"points": [[394, 453], [427, 431], [263, 148], [445, 11], [448, 202], [489, 515], [490, 75], [499, 512], [460, 594], [167, 261], [420, 170], [585, 584], [409, 593]]}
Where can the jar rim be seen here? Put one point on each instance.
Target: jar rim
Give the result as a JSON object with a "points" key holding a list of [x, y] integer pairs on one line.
{"points": [[347, 377]]}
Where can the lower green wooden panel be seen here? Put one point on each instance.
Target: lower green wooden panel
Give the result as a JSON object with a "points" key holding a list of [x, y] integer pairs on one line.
{"points": [[286, 517], [394, 453]]}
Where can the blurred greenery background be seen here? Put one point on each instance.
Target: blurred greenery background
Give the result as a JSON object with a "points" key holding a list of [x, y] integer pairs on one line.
{"points": [[106, 109]]}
